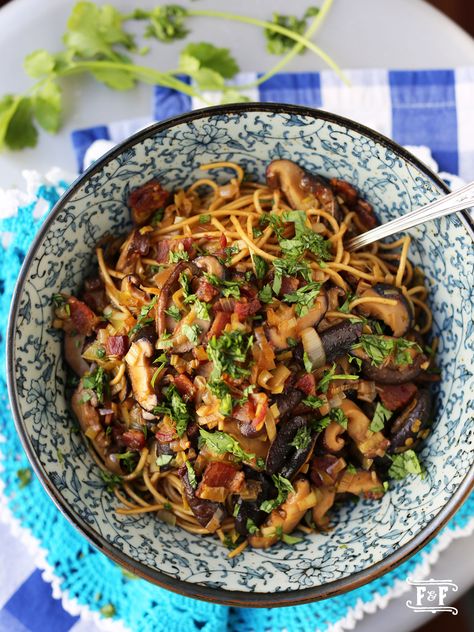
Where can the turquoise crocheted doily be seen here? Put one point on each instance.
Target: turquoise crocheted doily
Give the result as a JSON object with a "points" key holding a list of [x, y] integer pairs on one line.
{"points": [[91, 579]]}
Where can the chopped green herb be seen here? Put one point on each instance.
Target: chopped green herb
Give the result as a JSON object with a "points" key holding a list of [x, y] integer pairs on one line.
{"points": [[229, 353], [289, 267], [185, 283], [337, 414], [286, 537], [313, 402], [143, 319], [379, 348], [284, 487], [202, 309], [404, 464], [191, 475], [97, 381], [227, 288], [164, 459], [236, 510], [355, 360], [330, 375], [265, 294], [257, 232], [128, 459], [111, 480], [174, 312], [222, 391], [178, 255], [24, 476], [260, 266], [292, 342], [221, 443], [304, 297], [381, 415], [321, 424], [175, 408], [192, 332], [251, 526], [351, 468], [279, 44], [204, 219], [58, 300], [345, 306], [275, 221], [157, 217], [100, 353], [168, 506], [302, 438], [305, 239]]}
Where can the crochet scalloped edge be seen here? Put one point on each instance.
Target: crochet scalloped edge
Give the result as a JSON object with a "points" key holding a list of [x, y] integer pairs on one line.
{"points": [[354, 614]]}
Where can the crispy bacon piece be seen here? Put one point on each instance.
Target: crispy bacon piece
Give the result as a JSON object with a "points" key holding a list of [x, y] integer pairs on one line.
{"points": [[117, 346], [395, 396], [349, 194], [94, 294], [205, 291], [345, 190], [251, 415], [137, 245], [243, 310], [219, 480], [288, 285], [82, 319], [220, 321], [134, 439], [162, 249], [307, 384], [185, 387], [146, 200]]}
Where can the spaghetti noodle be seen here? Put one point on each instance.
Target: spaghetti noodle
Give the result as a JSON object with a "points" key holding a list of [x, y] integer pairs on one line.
{"points": [[239, 369]]}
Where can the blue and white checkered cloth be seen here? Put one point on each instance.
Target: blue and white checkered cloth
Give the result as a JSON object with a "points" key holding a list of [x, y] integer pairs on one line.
{"points": [[431, 108]]}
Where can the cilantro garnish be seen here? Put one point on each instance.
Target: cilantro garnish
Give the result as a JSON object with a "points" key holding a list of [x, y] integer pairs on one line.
{"points": [[222, 391], [284, 487], [265, 294], [228, 353], [337, 414], [302, 438], [251, 526], [192, 332], [289, 267], [312, 401], [191, 475], [178, 255], [111, 480], [97, 381], [303, 297], [278, 44], [308, 365], [330, 375], [285, 537], [381, 415], [175, 407], [261, 266], [379, 348], [128, 459], [227, 288], [174, 312], [143, 319], [221, 442], [305, 239], [204, 219], [164, 459], [404, 464], [275, 221]]}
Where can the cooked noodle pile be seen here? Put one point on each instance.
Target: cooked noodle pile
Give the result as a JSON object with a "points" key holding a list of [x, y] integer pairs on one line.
{"points": [[240, 370]]}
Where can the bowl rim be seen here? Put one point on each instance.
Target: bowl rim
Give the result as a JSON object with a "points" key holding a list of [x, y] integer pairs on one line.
{"points": [[197, 591]]}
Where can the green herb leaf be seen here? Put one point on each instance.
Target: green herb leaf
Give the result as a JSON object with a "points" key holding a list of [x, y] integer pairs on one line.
{"points": [[305, 239], [178, 255], [174, 312], [16, 123], [379, 348], [97, 381], [289, 267], [308, 365], [47, 106], [351, 468], [251, 526], [290, 539], [381, 415], [24, 476], [222, 391], [39, 63], [321, 424], [164, 459], [284, 487], [191, 475], [100, 353], [203, 310], [279, 44], [275, 221], [260, 266], [312, 401], [265, 294], [209, 57], [128, 459], [175, 407], [337, 414], [166, 22], [229, 354], [143, 319], [330, 375], [303, 297], [192, 332], [302, 438], [204, 219], [221, 443], [355, 360], [404, 464], [111, 480], [228, 288]]}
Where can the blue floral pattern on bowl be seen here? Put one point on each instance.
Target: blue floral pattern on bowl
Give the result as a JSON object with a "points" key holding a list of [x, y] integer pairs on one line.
{"points": [[368, 535]]}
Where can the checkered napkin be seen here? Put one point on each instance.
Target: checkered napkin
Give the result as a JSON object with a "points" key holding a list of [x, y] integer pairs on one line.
{"points": [[429, 108]]}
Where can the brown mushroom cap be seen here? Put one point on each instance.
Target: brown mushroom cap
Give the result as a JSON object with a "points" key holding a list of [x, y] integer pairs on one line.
{"points": [[140, 372]]}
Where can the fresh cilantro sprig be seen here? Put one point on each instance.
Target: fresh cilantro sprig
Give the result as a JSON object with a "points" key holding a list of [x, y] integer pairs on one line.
{"points": [[229, 354], [97, 43], [379, 348], [227, 288], [222, 391], [305, 239], [302, 438], [97, 381], [381, 415], [143, 318], [278, 44], [289, 267], [331, 375], [222, 443], [404, 464]]}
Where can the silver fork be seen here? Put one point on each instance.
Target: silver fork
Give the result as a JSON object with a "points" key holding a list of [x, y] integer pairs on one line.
{"points": [[456, 201]]}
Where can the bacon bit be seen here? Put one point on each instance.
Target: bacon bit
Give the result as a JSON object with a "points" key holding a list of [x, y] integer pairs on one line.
{"points": [[243, 310], [289, 285], [344, 190], [221, 474], [260, 401], [134, 439], [220, 321], [185, 387], [162, 249], [146, 200], [307, 384], [365, 211], [82, 319], [351, 198], [223, 242], [395, 396], [206, 291], [137, 245], [117, 345], [226, 304]]}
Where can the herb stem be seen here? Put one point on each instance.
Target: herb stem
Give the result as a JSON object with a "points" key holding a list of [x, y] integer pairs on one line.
{"points": [[300, 39]]}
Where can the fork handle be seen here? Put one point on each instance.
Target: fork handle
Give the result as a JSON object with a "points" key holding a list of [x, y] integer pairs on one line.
{"points": [[456, 201]]}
